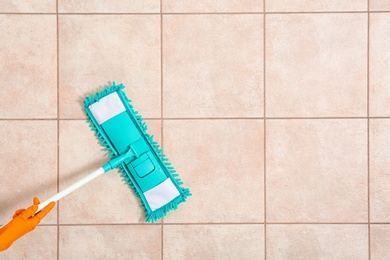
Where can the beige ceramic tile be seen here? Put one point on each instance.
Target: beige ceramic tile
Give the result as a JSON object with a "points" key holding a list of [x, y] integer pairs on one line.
{"points": [[213, 65], [108, 6], [379, 5], [110, 242], [98, 49], [380, 241], [316, 170], [154, 128], [315, 67], [317, 242], [28, 66], [315, 5], [38, 244], [28, 160], [188, 6], [42, 6], [379, 64], [221, 161], [380, 170], [213, 242], [106, 199]]}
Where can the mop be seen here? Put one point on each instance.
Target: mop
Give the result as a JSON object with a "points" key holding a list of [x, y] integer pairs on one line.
{"points": [[140, 160]]}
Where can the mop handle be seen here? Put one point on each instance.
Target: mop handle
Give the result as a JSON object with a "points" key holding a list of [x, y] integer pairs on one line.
{"points": [[111, 164], [72, 188]]}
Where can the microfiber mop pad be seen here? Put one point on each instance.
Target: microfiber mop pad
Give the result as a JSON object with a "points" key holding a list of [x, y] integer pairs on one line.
{"points": [[121, 130]]}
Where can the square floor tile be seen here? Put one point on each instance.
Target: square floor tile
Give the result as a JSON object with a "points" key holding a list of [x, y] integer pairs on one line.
{"points": [[221, 161], [317, 242], [315, 67], [316, 170], [380, 170], [38, 244], [98, 49], [379, 64], [23, 6], [108, 6], [380, 241], [188, 6], [213, 65], [28, 160], [213, 242], [28, 74], [315, 5], [110, 242], [106, 199], [379, 5]]}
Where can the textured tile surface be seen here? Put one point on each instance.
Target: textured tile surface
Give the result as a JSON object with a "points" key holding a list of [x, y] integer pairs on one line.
{"points": [[39, 244], [222, 167], [379, 5], [212, 66], [380, 240], [29, 165], [22, 6], [379, 64], [108, 6], [80, 154], [317, 242], [315, 5], [315, 67], [316, 170], [28, 75], [188, 6], [213, 242], [380, 169], [210, 76], [110, 242], [98, 48]]}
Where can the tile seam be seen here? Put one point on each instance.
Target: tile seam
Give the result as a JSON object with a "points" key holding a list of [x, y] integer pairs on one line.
{"points": [[264, 134], [216, 224], [58, 134], [161, 114], [368, 131], [207, 118], [203, 13]]}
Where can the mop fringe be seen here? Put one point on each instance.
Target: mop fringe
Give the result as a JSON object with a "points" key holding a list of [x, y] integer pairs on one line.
{"points": [[151, 216]]}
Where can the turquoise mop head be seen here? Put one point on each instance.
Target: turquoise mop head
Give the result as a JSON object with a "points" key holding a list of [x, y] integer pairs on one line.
{"points": [[145, 168]]}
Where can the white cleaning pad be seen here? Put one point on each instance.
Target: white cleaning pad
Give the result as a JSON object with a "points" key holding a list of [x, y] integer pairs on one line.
{"points": [[107, 107], [161, 194]]}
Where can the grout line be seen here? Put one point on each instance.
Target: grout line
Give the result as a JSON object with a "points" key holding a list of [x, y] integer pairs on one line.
{"points": [[222, 118], [206, 118], [368, 131], [212, 118], [162, 114], [317, 223], [110, 13], [201, 13], [15, 13], [303, 12], [268, 118], [29, 119], [58, 136], [320, 117], [264, 135], [216, 224], [102, 224]]}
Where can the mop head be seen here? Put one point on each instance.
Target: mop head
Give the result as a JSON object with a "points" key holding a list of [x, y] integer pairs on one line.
{"points": [[148, 172]]}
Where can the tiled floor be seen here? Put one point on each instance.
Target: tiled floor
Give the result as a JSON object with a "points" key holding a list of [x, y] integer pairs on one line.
{"points": [[276, 113]]}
